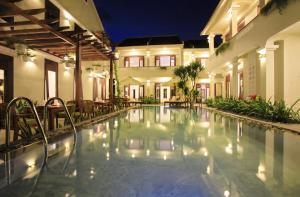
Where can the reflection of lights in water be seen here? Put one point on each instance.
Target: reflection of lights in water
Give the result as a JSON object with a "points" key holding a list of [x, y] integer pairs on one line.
{"points": [[208, 170], [104, 135], [148, 152], [30, 163], [261, 172], [92, 171], [103, 145], [131, 141], [133, 155], [209, 133], [148, 124], [192, 122], [173, 148], [165, 157], [67, 146], [92, 177], [67, 195], [91, 133], [107, 154], [228, 149], [185, 153], [52, 147], [107, 125], [172, 142], [116, 124], [117, 150], [226, 193], [74, 173], [205, 153]]}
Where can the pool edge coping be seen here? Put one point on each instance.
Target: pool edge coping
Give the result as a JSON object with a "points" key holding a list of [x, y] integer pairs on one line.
{"points": [[268, 124]]}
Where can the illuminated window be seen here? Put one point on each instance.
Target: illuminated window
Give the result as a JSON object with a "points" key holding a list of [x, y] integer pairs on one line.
{"points": [[134, 61], [165, 60]]}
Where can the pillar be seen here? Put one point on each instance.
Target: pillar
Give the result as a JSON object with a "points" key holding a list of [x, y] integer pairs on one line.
{"points": [[234, 20], [77, 73], [111, 77], [212, 85], [270, 72], [211, 43], [234, 80]]}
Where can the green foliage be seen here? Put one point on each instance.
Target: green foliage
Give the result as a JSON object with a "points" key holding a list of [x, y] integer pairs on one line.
{"points": [[150, 100], [186, 74], [163, 68], [11, 41], [278, 4], [222, 48], [258, 108]]}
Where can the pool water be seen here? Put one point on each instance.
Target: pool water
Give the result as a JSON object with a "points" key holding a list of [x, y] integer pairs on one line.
{"points": [[161, 152]]}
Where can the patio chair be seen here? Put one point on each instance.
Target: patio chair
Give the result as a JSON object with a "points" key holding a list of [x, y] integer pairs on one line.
{"points": [[87, 109]]}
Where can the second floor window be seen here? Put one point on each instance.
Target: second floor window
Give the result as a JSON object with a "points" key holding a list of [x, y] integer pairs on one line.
{"points": [[165, 60], [134, 61]]}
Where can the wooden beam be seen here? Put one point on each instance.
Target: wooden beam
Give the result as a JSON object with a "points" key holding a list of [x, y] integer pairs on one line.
{"points": [[45, 41], [73, 33], [21, 23], [10, 13], [52, 46], [41, 36], [47, 44], [23, 31], [15, 8]]}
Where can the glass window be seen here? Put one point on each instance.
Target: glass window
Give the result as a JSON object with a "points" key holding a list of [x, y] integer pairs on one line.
{"points": [[165, 60], [52, 83], [2, 86], [134, 61]]}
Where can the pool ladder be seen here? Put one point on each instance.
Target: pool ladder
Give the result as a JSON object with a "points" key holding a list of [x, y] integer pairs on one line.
{"points": [[36, 117]]}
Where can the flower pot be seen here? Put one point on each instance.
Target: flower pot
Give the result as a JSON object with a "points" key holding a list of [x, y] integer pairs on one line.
{"points": [[21, 49]]}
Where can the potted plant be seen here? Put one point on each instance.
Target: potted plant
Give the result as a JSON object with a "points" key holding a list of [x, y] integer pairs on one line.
{"points": [[18, 44], [189, 74]]}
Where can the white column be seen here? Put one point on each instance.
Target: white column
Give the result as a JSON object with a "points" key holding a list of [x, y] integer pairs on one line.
{"points": [[212, 85], [270, 72], [234, 80], [211, 43], [234, 20]]}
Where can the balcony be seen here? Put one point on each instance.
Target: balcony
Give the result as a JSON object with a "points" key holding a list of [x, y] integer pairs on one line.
{"points": [[146, 72], [256, 34]]}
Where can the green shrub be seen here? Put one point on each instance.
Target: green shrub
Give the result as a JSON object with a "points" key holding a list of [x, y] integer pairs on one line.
{"points": [[258, 108], [150, 100]]}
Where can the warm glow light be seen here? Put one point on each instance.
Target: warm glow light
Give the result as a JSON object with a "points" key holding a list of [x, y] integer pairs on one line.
{"points": [[165, 157], [30, 163], [148, 152], [133, 156], [148, 124], [208, 170], [185, 153], [67, 146], [226, 193]]}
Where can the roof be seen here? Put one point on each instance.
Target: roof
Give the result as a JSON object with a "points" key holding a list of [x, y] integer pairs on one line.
{"points": [[151, 40], [201, 43]]}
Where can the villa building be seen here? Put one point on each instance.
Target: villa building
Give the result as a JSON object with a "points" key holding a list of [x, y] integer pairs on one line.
{"points": [[146, 65], [50, 48], [259, 54]]}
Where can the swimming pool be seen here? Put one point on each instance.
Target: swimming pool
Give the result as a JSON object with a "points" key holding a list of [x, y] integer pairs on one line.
{"points": [[157, 151]]}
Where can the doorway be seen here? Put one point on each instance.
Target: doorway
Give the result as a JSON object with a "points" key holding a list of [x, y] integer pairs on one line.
{"points": [[6, 78]]}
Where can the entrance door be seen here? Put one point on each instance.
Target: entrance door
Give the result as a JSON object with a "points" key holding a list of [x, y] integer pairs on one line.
{"points": [[99, 89], [51, 79], [203, 89], [165, 93], [6, 78]]}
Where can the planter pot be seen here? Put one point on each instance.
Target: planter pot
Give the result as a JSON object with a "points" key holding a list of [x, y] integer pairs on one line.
{"points": [[21, 49]]}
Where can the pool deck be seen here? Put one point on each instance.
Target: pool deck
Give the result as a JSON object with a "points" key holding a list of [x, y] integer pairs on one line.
{"points": [[295, 128]]}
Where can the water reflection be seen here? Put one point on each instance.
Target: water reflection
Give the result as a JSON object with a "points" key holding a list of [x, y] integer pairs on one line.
{"points": [[153, 151]]}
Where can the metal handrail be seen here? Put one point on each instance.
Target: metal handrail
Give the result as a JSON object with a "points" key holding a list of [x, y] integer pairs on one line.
{"points": [[36, 117], [67, 112]]}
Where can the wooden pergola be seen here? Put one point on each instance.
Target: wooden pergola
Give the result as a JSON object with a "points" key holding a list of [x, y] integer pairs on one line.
{"points": [[57, 41]]}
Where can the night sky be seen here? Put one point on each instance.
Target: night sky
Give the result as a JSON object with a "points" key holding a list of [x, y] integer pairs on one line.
{"points": [[131, 18]]}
